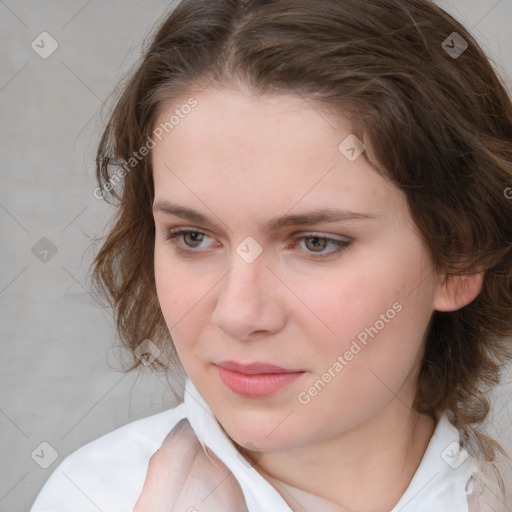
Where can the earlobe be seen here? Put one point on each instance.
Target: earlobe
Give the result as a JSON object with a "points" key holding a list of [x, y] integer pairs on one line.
{"points": [[459, 290]]}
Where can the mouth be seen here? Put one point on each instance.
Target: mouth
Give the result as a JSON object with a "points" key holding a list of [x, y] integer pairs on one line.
{"points": [[255, 380]]}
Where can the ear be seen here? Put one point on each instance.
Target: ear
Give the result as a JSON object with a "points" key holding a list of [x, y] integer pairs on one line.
{"points": [[459, 290]]}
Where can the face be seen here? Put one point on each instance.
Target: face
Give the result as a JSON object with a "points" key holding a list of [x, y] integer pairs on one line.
{"points": [[273, 249]]}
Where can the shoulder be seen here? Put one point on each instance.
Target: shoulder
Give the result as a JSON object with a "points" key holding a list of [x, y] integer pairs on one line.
{"points": [[108, 473]]}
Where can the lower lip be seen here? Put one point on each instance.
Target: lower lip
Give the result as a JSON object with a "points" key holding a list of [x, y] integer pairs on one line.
{"points": [[255, 386]]}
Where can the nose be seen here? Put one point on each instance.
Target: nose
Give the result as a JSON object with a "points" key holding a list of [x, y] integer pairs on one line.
{"points": [[248, 301]]}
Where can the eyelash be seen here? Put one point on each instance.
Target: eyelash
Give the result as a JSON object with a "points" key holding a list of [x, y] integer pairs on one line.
{"points": [[173, 234]]}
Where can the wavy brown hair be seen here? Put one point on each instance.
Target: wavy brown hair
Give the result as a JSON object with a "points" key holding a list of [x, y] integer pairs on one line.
{"points": [[439, 126]]}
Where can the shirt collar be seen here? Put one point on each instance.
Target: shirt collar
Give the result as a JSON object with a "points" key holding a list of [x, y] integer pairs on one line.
{"points": [[442, 477]]}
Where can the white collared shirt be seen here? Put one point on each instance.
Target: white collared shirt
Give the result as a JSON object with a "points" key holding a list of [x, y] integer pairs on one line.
{"points": [[108, 474]]}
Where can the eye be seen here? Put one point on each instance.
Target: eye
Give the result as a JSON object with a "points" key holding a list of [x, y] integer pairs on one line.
{"points": [[316, 244], [191, 238], [189, 241]]}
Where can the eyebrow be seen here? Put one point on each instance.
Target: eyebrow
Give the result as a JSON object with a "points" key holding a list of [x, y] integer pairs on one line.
{"points": [[306, 219]]}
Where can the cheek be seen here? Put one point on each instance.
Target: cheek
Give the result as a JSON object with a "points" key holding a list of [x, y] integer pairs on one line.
{"points": [[167, 283], [177, 287], [347, 303], [365, 365], [175, 290], [184, 300], [374, 316]]}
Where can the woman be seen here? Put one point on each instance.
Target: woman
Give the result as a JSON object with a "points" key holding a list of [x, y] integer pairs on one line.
{"points": [[313, 222]]}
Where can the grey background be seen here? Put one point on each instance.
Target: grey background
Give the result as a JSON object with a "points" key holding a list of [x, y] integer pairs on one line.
{"points": [[59, 369]]}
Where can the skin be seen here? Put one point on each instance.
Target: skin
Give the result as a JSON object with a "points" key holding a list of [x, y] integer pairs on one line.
{"points": [[241, 159]]}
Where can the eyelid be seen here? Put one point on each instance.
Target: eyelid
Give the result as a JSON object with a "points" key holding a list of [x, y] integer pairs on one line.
{"points": [[302, 234], [326, 236]]}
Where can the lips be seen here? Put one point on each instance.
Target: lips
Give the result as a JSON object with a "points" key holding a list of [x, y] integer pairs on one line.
{"points": [[256, 380], [254, 368]]}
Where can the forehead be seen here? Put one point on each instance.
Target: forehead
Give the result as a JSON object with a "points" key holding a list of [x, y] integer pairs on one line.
{"points": [[274, 150], [242, 119]]}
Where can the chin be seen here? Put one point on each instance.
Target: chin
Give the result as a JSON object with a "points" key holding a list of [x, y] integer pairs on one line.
{"points": [[262, 436]]}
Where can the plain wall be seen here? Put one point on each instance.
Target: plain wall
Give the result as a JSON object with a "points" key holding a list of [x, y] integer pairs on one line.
{"points": [[58, 377]]}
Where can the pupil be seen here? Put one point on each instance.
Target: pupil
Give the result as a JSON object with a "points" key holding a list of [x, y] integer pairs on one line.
{"points": [[194, 237], [317, 242]]}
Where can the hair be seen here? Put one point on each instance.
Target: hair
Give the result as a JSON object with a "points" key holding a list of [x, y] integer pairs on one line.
{"points": [[439, 126]]}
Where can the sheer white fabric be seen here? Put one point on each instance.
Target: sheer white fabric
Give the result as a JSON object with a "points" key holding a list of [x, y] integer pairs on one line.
{"points": [[484, 491], [194, 479]]}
